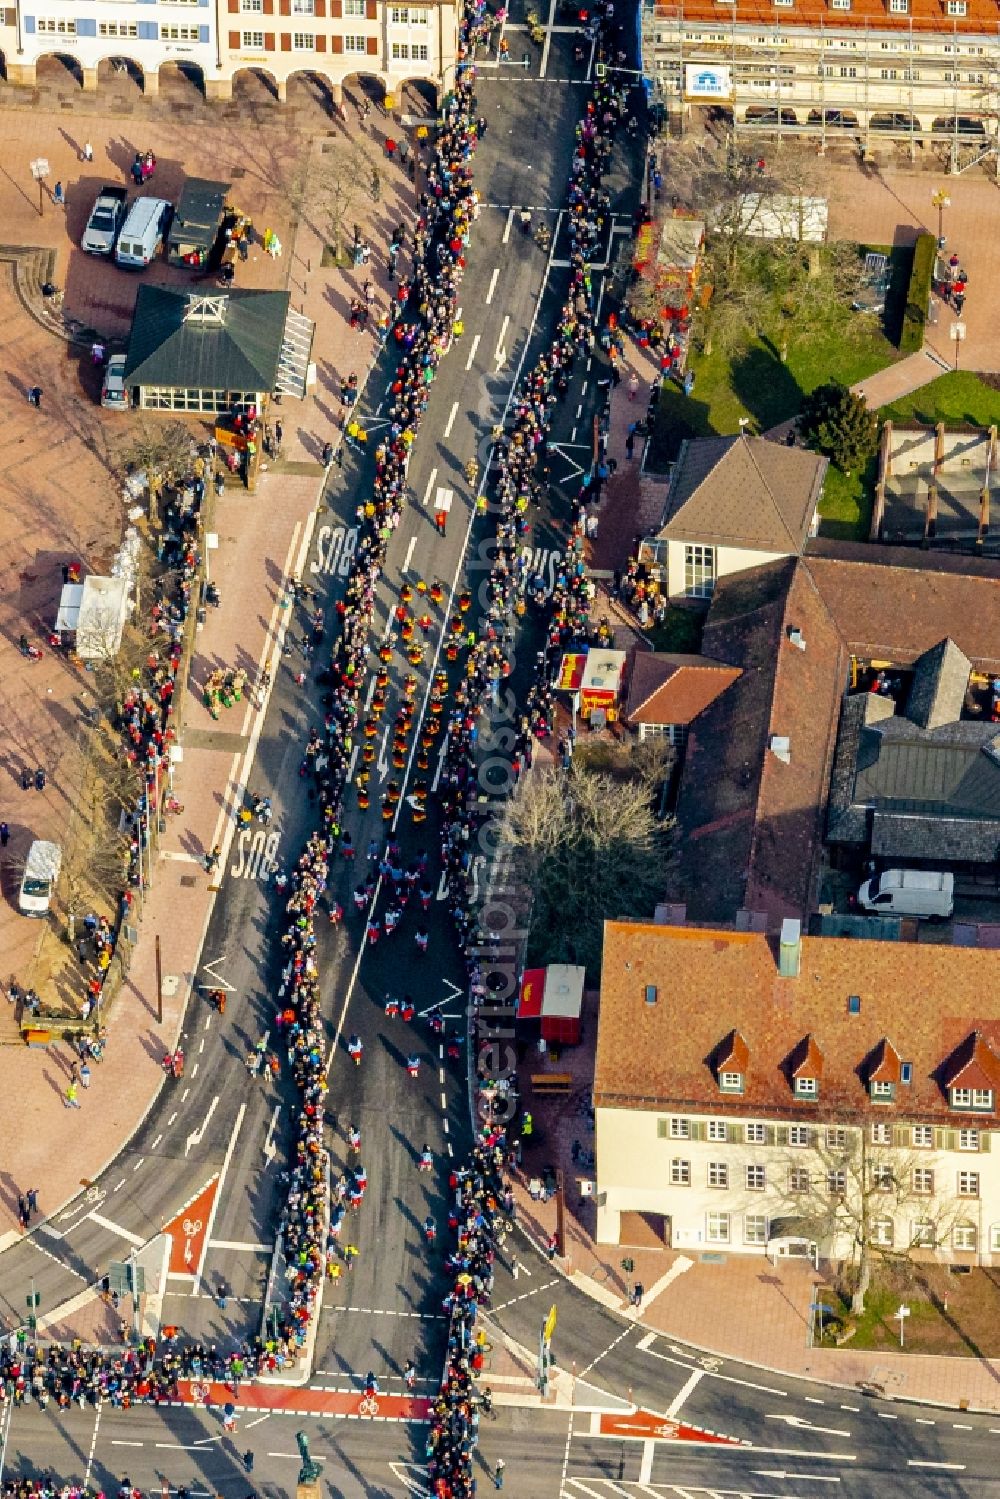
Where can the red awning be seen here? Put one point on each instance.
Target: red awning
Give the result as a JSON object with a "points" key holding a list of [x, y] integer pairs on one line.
{"points": [[532, 994]]}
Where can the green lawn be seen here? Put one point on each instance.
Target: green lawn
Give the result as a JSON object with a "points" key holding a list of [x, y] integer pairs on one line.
{"points": [[957, 399], [759, 384]]}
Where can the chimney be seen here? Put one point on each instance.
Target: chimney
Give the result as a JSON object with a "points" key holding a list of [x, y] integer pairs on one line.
{"points": [[781, 748], [790, 948], [796, 637]]}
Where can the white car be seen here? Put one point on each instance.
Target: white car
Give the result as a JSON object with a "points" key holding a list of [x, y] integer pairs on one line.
{"points": [[113, 392]]}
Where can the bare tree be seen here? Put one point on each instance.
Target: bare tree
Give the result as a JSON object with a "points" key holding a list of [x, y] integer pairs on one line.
{"points": [[591, 848], [861, 1190], [335, 185]]}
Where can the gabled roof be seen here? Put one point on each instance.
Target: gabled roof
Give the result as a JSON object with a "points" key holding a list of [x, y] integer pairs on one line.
{"points": [[733, 1055], [750, 823], [710, 980], [940, 682], [884, 1064], [743, 492], [806, 1060], [665, 688], [239, 350], [973, 1064]]}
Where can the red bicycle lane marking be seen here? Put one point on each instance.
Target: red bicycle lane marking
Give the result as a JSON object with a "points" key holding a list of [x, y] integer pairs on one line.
{"points": [[647, 1424], [188, 1229], [302, 1401]]}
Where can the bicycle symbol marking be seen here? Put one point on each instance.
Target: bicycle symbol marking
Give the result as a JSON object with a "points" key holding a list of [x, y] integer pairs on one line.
{"points": [[200, 1392], [368, 1406], [189, 1228]]}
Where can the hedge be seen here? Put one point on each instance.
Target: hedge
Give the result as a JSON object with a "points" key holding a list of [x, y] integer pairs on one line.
{"points": [[911, 338]]}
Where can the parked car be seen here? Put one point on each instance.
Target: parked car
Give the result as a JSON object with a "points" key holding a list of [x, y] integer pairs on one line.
{"points": [[105, 221], [41, 871], [143, 232], [113, 393], [929, 894], [871, 294]]}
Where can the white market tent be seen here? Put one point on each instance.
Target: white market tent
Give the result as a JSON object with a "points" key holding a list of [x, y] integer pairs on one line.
{"points": [[783, 216], [96, 611]]}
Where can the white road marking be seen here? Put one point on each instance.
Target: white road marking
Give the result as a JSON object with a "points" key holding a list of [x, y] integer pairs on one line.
{"points": [[241, 1246], [648, 1447], [451, 421], [120, 1185], [116, 1228], [685, 1390], [916, 1462], [507, 228], [93, 1445], [185, 1094], [802, 1477], [500, 353], [156, 1142], [493, 285], [196, 1136], [196, 1290], [270, 1149], [802, 1454], [430, 486], [409, 554], [171, 1119], [472, 355], [801, 1424]]}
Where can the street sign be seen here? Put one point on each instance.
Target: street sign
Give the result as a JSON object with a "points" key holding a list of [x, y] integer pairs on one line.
{"points": [[550, 1325]]}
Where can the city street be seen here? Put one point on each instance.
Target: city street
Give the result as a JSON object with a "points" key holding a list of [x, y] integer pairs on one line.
{"points": [[207, 1161]]}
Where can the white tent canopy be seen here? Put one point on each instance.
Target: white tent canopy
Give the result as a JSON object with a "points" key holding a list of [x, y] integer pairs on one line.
{"points": [[96, 610]]}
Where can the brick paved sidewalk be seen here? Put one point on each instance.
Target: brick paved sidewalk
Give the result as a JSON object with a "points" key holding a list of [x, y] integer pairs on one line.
{"points": [[260, 538]]}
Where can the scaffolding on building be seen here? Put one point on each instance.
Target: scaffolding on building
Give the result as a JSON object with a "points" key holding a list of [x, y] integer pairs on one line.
{"points": [[901, 85]]}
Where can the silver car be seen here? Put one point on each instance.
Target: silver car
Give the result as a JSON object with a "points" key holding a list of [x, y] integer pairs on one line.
{"points": [[113, 392]]}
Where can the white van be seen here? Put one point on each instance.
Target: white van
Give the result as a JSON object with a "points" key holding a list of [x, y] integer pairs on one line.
{"points": [[143, 232], [38, 883], [909, 892]]}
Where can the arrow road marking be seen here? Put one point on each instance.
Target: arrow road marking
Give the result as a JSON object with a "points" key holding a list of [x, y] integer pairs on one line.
{"points": [[217, 979], [442, 889], [412, 1484], [383, 764], [270, 1149], [500, 355], [440, 765], [196, 1136], [574, 467], [802, 1477], [801, 1424]]}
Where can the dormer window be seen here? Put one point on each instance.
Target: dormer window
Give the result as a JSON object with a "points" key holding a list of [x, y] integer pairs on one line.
{"points": [[978, 1099], [731, 1082], [882, 1092], [806, 1087]]}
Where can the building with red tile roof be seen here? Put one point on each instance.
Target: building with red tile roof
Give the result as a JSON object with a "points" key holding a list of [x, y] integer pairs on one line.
{"points": [[742, 1083]]}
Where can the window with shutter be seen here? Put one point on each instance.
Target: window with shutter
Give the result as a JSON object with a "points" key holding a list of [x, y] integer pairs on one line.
{"points": [[984, 1139], [234, 40], [735, 1134], [372, 46], [268, 41], [320, 8], [337, 43], [940, 1139], [269, 7], [320, 43], [699, 1130], [662, 1129], [781, 1134], [285, 7], [901, 1136], [371, 10], [286, 41], [770, 1134], [336, 9], [234, 7]]}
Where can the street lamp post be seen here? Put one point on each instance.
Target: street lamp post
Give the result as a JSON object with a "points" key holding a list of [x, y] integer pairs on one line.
{"points": [[941, 201], [40, 170], [957, 332]]}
